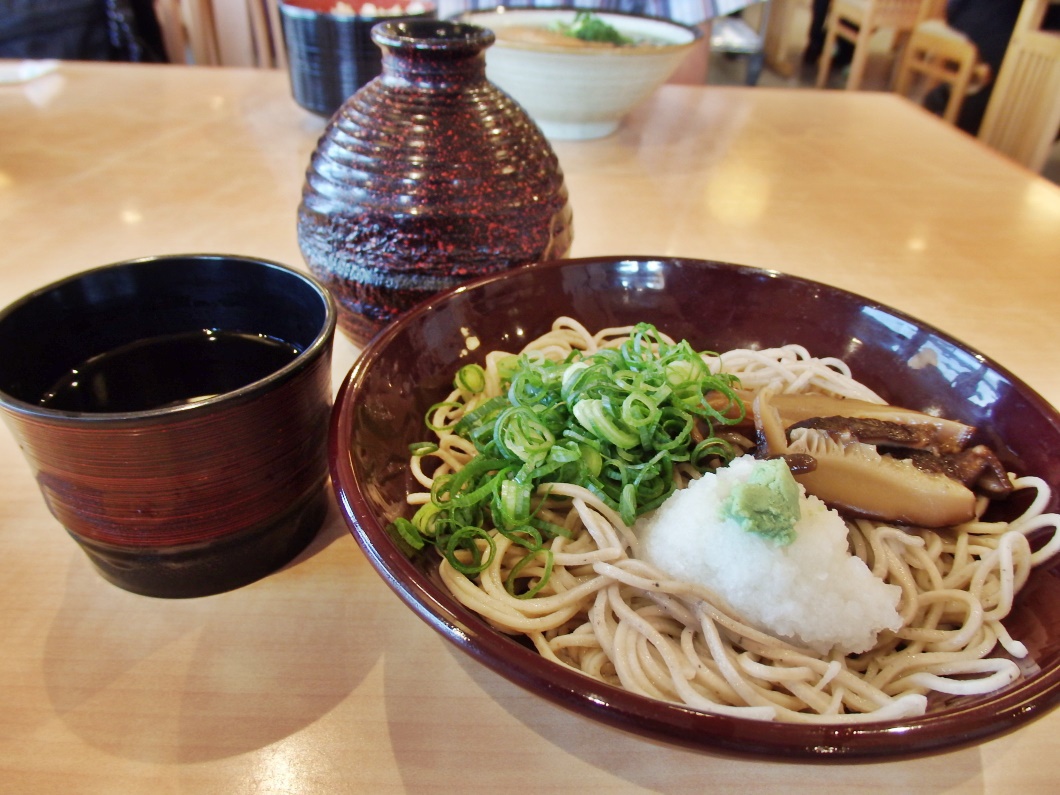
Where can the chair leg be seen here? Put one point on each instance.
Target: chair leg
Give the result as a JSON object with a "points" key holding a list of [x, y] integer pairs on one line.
{"points": [[958, 91], [904, 78], [755, 64], [861, 58], [953, 106], [173, 35], [899, 47], [824, 66]]}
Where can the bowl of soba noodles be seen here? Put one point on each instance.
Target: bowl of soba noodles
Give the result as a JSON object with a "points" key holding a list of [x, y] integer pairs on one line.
{"points": [[576, 72], [661, 494]]}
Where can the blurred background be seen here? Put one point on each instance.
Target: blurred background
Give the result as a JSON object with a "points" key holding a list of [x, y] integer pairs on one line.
{"points": [[769, 44]]}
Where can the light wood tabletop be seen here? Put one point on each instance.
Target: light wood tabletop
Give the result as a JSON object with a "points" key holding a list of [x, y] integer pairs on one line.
{"points": [[317, 679]]}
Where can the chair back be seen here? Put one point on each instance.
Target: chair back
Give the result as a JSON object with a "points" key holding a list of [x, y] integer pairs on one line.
{"points": [[898, 14], [1023, 116], [936, 53]]}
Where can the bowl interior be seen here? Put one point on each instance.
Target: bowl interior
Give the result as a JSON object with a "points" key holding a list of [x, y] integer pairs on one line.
{"points": [[409, 367], [656, 33], [56, 328]]}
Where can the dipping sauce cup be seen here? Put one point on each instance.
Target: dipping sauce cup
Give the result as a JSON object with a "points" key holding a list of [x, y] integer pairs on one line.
{"points": [[174, 411]]}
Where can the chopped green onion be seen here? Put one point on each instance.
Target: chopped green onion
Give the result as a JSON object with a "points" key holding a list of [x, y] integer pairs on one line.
{"points": [[423, 519], [405, 536], [423, 448], [512, 508], [616, 421], [464, 540], [587, 26], [593, 415], [470, 378], [431, 411], [517, 570]]}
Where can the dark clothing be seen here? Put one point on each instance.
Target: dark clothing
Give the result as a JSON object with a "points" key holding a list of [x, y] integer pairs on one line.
{"points": [[83, 30], [818, 29], [989, 25]]}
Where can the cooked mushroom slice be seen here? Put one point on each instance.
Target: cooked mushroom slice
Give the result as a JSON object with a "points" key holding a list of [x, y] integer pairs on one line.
{"points": [[772, 440], [855, 478], [942, 436], [877, 432], [977, 467], [799, 463]]}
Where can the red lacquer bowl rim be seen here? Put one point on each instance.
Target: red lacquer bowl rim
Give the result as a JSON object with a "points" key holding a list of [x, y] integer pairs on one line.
{"points": [[321, 342]]}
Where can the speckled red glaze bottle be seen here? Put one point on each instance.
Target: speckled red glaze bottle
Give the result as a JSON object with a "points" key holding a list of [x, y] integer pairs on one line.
{"points": [[428, 176]]}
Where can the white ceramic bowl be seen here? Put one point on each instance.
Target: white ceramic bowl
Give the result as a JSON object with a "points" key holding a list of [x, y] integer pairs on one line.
{"points": [[577, 92]]}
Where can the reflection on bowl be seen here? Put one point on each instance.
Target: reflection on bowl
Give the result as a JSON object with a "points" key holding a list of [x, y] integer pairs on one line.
{"points": [[580, 90], [409, 367]]}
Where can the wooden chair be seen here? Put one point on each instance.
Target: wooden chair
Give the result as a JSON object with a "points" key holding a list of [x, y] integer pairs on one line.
{"points": [[1023, 116], [174, 32], [857, 20], [187, 31], [222, 32], [936, 54], [779, 37]]}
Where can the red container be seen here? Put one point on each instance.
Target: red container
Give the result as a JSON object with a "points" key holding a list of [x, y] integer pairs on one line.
{"points": [[191, 468]]}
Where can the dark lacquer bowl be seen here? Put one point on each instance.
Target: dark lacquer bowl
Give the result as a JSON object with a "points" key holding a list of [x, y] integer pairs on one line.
{"points": [[330, 54], [382, 404], [174, 412]]}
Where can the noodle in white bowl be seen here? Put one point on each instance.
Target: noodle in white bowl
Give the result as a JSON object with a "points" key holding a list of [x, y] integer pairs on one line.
{"points": [[612, 616]]}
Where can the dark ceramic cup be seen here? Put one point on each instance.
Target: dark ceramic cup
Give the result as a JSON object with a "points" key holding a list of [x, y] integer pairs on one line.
{"points": [[331, 55], [174, 411]]}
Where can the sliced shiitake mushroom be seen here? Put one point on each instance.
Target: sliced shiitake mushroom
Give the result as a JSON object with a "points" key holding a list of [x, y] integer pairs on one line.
{"points": [[853, 477], [928, 481], [923, 431]]}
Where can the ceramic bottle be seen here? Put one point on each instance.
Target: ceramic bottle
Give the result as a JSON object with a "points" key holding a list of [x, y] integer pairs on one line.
{"points": [[426, 177]]}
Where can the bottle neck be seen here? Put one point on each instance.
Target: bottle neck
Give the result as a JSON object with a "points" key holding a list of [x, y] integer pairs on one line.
{"points": [[432, 54]]}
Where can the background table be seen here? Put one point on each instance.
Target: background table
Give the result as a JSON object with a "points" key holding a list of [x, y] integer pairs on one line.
{"points": [[317, 679]]}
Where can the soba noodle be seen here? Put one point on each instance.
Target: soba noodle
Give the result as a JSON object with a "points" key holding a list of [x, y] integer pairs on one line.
{"points": [[617, 619]]}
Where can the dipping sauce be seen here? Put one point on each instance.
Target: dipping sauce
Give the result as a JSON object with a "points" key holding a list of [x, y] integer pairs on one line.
{"points": [[168, 370]]}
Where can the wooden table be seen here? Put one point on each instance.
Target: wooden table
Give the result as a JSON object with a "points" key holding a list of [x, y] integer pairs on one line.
{"points": [[317, 679]]}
